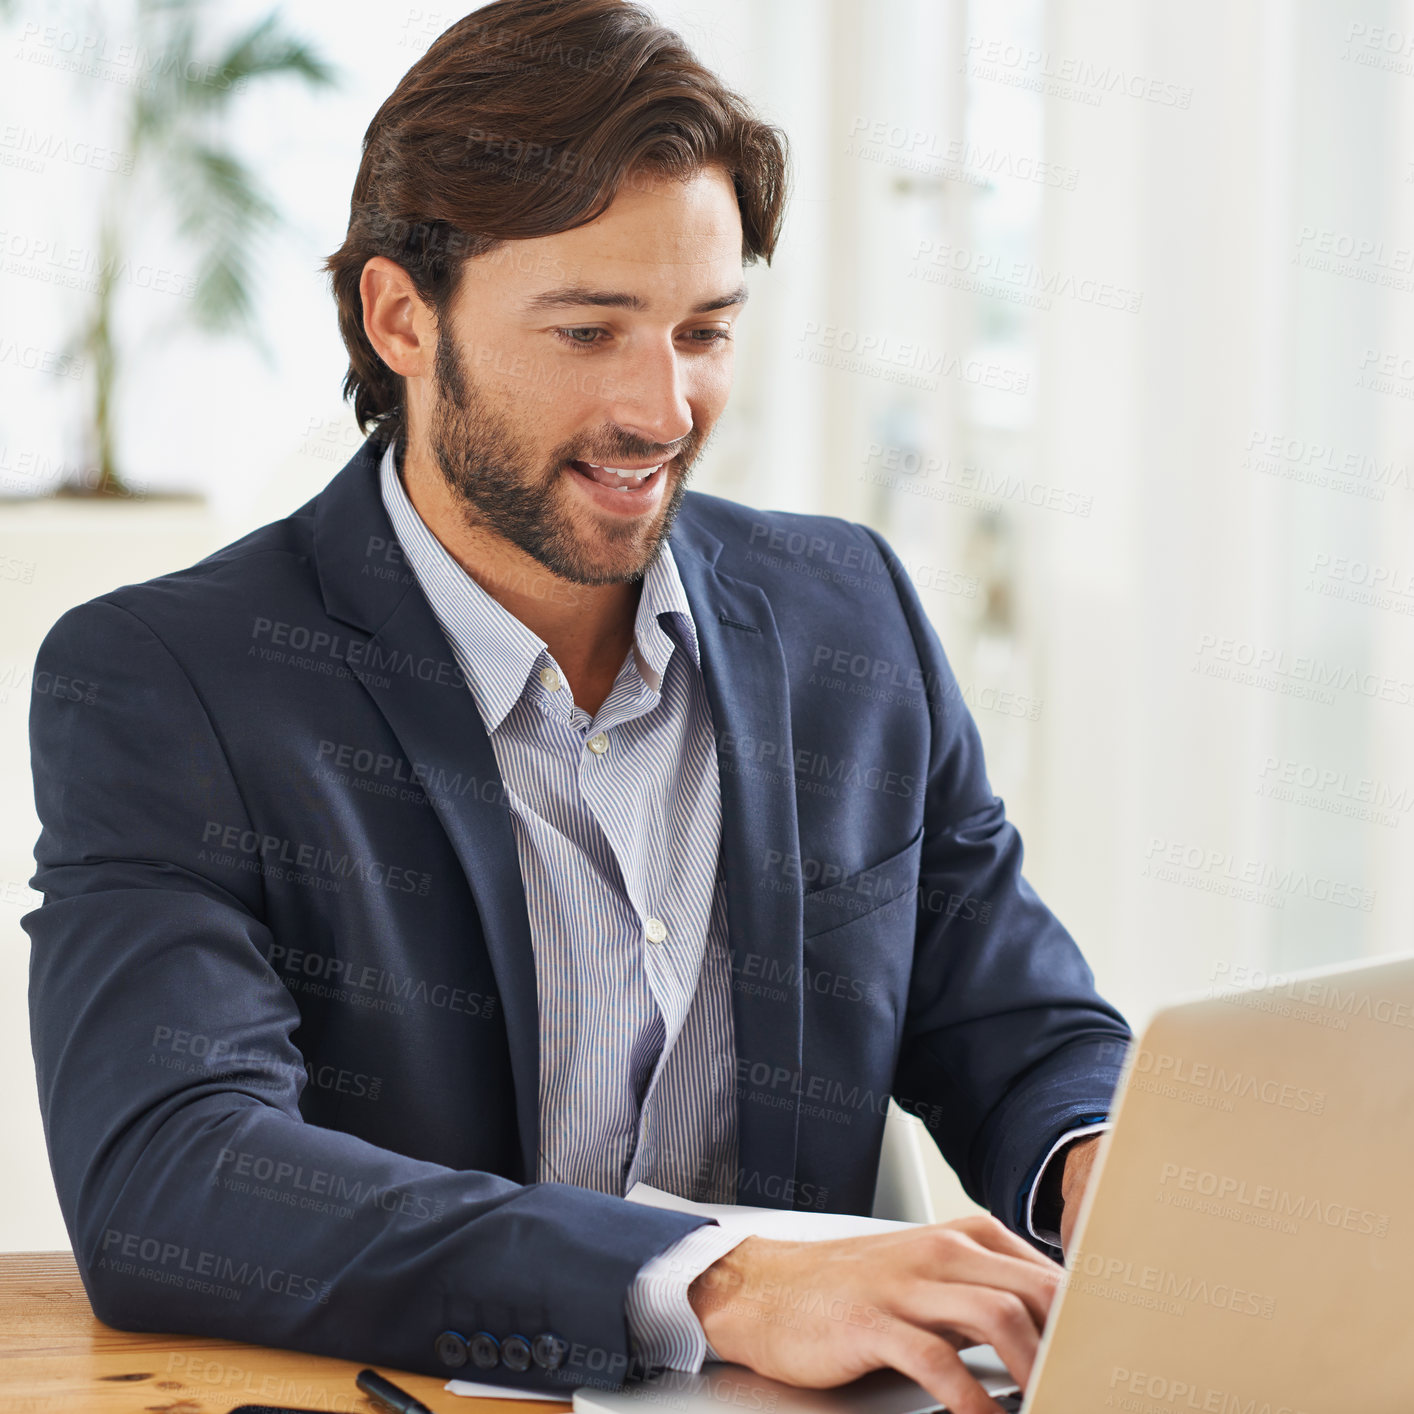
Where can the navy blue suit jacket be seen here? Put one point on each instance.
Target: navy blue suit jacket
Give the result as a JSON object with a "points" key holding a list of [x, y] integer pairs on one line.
{"points": [[282, 989]]}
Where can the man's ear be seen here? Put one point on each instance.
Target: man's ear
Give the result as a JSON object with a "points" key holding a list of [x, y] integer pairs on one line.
{"points": [[399, 325]]}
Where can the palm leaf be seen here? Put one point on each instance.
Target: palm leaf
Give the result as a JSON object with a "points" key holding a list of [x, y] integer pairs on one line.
{"points": [[222, 210], [190, 82], [263, 51]]}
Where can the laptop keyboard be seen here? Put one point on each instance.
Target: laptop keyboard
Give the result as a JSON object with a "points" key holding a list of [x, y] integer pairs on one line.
{"points": [[1010, 1402]]}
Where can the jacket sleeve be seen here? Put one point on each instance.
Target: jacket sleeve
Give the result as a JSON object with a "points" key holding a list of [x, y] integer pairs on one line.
{"points": [[163, 1047], [1006, 1044]]}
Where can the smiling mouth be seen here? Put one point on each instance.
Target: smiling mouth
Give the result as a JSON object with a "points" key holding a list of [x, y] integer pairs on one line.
{"points": [[624, 479]]}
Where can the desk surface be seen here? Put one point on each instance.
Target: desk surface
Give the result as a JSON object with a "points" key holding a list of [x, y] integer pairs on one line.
{"points": [[55, 1356]]}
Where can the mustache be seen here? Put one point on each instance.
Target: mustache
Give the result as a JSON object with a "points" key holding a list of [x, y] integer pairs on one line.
{"points": [[685, 447]]}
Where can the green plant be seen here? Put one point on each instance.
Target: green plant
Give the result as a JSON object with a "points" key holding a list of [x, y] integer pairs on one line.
{"points": [[175, 128]]}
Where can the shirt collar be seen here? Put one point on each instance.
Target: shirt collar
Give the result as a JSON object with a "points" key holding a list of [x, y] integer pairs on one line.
{"points": [[494, 649]]}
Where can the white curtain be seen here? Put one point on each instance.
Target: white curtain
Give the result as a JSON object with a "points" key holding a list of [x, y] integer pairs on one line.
{"points": [[1173, 571]]}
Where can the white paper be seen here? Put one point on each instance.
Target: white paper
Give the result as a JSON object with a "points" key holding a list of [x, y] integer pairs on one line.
{"points": [[477, 1391], [785, 1225], [779, 1223]]}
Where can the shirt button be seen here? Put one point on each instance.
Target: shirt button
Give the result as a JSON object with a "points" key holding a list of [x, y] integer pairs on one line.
{"points": [[550, 679], [655, 930], [598, 743]]}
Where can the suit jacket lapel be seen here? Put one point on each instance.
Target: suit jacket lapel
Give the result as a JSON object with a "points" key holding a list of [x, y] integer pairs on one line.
{"points": [[408, 668], [744, 669]]}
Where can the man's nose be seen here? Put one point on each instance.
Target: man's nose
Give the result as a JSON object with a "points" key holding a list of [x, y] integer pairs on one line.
{"points": [[648, 398]]}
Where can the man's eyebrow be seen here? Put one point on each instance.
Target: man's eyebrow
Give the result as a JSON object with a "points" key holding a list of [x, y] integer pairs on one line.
{"points": [[576, 296]]}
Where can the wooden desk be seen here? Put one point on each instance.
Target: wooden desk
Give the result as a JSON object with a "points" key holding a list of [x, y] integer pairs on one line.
{"points": [[56, 1356]]}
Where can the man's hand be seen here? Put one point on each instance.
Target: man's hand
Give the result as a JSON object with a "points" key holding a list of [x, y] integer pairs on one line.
{"points": [[820, 1314], [1079, 1160]]}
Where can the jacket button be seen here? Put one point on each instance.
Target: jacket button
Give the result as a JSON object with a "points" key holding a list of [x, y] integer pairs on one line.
{"points": [[451, 1349], [548, 1351], [485, 1350], [515, 1353]]}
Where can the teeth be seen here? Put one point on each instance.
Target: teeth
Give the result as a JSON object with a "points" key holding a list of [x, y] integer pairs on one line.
{"points": [[631, 473]]}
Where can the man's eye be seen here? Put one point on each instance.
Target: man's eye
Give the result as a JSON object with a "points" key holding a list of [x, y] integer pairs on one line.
{"points": [[587, 337], [584, 338]]}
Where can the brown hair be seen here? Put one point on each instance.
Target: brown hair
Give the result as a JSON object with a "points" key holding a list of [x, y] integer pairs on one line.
{"points": [[525, 118]]}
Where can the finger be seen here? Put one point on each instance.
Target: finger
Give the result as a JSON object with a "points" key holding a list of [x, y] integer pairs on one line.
{"points": [[988, 1232], [951, 1256], [934, 1364], [982, 1315]]}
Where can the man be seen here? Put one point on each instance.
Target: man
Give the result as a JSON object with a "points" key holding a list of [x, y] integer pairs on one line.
{"points": [[426, 868]]}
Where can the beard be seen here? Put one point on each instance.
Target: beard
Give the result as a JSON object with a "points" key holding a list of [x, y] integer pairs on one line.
{"points": [[500, 488]]}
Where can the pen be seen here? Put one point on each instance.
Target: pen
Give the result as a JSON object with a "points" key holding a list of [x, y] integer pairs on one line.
{"points": [[386, 1394]]}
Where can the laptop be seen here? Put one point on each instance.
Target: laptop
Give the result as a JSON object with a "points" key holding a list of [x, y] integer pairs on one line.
{"points": [[1247, 1244]]}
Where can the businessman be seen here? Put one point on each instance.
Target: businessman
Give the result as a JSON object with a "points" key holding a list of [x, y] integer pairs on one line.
{"points": [[506, 826]]}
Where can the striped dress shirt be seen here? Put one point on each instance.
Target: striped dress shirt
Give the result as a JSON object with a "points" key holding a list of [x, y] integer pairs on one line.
{"points": [[617, 822]]}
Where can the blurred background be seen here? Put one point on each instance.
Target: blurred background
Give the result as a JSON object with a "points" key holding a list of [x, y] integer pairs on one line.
{"points": [[1101, 311]]}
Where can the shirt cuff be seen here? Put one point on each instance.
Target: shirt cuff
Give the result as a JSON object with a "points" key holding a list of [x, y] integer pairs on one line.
{"points": [[661, 1322], [1066, 1139]]}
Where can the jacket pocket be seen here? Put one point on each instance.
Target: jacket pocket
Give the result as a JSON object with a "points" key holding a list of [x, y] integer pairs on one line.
{"points": [[859, 894]]}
